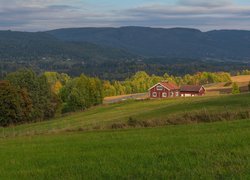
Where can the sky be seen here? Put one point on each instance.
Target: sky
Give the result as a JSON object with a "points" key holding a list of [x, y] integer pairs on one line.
{"points": [[41, 15]]}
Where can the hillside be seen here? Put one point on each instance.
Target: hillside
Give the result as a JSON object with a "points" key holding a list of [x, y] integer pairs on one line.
{"points": [[205, 151], [125, 140], [142, 113], [87, 145], [117, 53], [158, 42], [26, 46]]}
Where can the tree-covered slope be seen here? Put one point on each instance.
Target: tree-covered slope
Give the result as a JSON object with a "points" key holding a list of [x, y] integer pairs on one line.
{"points": [[151, 112], [33, 46], [175, 42]]}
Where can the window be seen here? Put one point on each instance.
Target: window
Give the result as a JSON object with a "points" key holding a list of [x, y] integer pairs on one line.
{"points": [[154, 94], [177, 93], [159, 88], [164, 94], [171, 94]]}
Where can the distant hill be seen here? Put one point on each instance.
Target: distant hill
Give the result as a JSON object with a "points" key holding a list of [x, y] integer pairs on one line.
{"points": [[117, 53], [31, 46], [159, 42]]}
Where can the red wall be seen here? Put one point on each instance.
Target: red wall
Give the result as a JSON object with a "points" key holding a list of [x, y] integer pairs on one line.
{"points": [[159, 93], [201, 93]]}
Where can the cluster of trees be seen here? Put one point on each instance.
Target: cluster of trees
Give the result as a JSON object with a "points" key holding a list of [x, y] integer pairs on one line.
{"points": [[141, 82], [244, 72], [26, 96], [116, 67], [81, 93]]}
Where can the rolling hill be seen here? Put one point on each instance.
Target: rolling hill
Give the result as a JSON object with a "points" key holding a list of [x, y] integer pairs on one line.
{"points": [[155, 112], [159, 42], [204, 151], [27, 46], [87, 145], [117, 53]]}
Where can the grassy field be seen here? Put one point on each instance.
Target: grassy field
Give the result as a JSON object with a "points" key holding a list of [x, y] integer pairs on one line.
{"points": [[223, 88], [103, 116], [83, 145], [241, 78], [199, 151]]}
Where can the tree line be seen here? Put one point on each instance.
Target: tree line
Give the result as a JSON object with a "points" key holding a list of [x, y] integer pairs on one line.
{"points": [[26, 96], [141, 82]]}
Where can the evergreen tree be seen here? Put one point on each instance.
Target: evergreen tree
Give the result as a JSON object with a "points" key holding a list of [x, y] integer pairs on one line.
{"points": [[235, 89]]}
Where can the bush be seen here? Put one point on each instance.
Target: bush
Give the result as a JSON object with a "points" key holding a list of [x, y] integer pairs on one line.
{"points": [[235, 89]]}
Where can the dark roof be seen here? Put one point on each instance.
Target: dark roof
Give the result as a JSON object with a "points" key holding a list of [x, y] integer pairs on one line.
{"points": [[191, 88], [170, 85]]}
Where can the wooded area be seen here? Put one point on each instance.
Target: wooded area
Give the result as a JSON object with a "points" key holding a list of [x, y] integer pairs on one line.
{"points": [[27, 97]]}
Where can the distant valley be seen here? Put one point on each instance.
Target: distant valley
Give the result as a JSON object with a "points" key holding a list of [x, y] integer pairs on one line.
{"points": [[115, 53], [159, 42]]}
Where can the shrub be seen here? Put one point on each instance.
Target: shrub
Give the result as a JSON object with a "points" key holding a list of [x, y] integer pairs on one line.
{"points": [[235, 89]]}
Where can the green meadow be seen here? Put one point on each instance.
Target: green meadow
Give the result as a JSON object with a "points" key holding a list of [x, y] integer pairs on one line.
{"points": [[83, 145], [101, 117], [218, 150]]}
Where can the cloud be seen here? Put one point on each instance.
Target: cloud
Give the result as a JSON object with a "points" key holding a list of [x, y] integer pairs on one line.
{"points": [[205, 3], [205, 16], [37, 15]]}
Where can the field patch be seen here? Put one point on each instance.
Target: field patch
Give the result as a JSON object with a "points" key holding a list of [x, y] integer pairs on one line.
{"points": [[241, 78], [206, 151], [102, 117]]}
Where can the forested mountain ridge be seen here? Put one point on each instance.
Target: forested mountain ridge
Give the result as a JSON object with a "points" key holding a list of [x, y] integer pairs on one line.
{"points": [[160, 42], [117, 53], [33, 46]]}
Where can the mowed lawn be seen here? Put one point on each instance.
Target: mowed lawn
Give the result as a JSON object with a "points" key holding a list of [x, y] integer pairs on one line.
{"points": [[105, 115], [218, 150]]}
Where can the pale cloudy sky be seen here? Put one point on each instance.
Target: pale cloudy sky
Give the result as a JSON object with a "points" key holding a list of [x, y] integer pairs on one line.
{"points": [[39, 15]]}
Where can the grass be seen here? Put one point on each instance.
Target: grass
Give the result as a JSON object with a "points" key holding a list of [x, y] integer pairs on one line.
{"points": [[105, 115], [200, 151], [241, 78], [60, 149]]}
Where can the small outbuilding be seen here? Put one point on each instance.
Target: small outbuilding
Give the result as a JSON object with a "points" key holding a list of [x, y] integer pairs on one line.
{"points": [[192, 90], [164, 90]]}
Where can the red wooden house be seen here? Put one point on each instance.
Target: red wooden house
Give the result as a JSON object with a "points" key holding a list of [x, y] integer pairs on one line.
{"points": [[164, 90], [192, 90]]}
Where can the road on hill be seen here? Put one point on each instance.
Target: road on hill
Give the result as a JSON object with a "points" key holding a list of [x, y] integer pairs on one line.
{"points": [[115, 99]]}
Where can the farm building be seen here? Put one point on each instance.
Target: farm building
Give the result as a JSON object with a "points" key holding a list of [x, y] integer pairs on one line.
{"points": [[167, 89], [164, 90], [192, 90]]}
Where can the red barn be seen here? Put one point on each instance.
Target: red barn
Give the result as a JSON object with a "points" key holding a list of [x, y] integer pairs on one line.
{"points": [[164, 90], [192, 90]]}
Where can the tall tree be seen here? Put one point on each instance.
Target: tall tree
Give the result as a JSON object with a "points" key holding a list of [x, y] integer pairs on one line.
{"points": [[15, 106], [235, 88], [39, 92]]}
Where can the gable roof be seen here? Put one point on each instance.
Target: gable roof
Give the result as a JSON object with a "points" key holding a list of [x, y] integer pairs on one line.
{"points": [[191, 88], [170, 85], [167, 85]]}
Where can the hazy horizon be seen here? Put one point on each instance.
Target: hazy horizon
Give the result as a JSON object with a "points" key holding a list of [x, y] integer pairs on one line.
{"points": [[38, 15], [125, 27]]}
